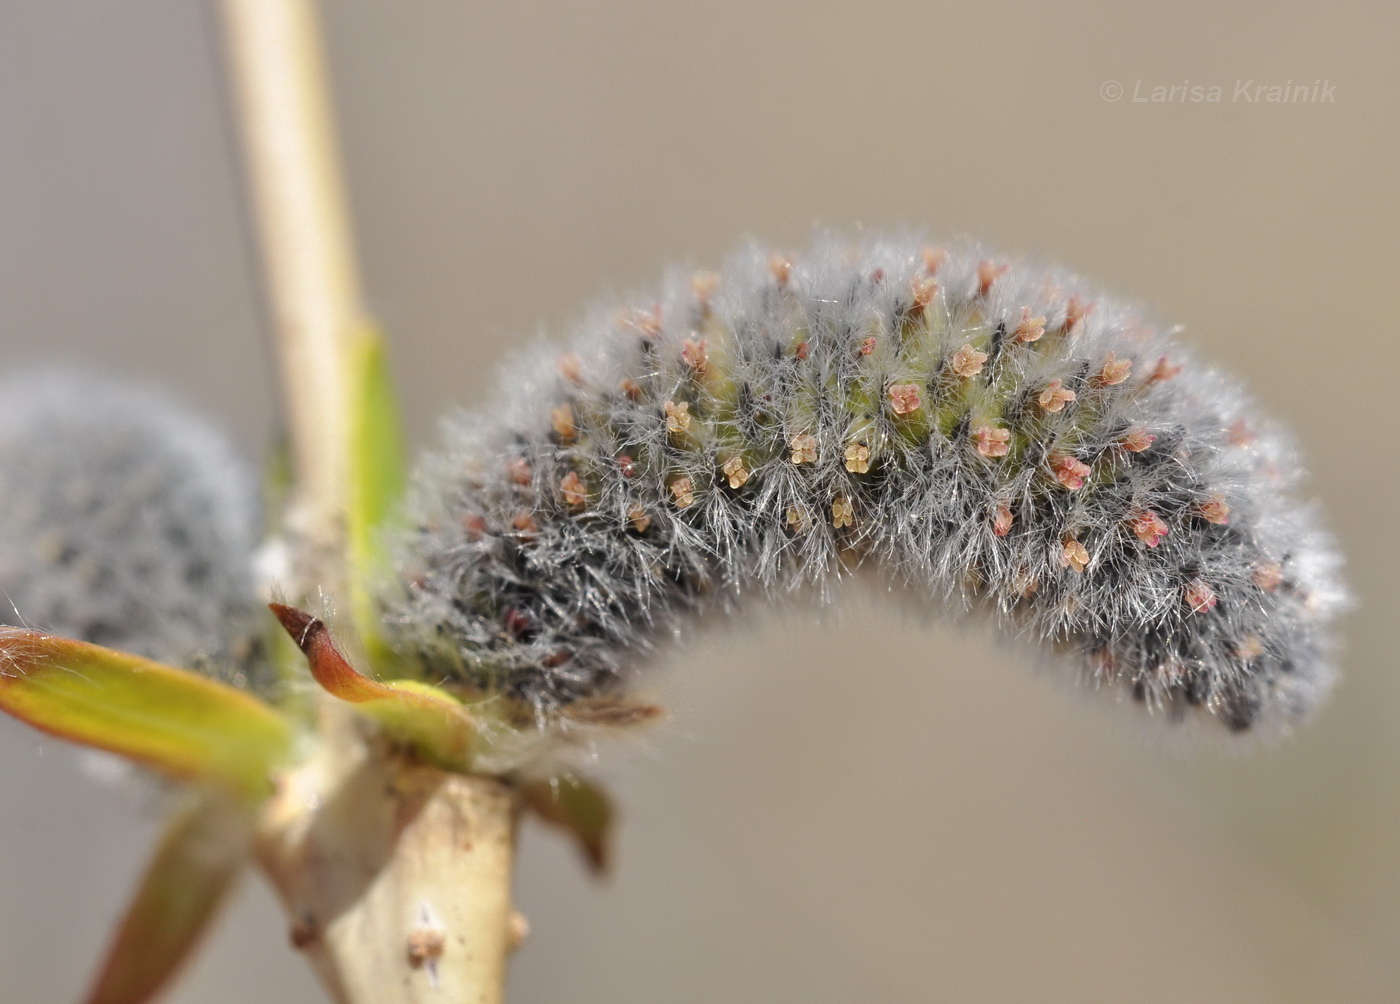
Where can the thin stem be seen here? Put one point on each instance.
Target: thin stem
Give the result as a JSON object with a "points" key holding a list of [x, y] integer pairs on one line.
{"points": [[396, 875], [293, 170]]}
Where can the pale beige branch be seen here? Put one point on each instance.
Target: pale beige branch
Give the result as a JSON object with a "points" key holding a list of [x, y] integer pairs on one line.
{"points": [[395, 875], [309, 263]]}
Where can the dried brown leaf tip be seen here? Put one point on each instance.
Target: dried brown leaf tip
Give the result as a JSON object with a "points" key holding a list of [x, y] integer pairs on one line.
{"points": [[968, 362], [1215, 510], [1114, 371], [1148, 527], [1199, 596], [1030, 329], [780, 268], [867, 346], [682, 492], [1138, 440], [804, 448], [736, 472], [1074, 555], [1054, 397], [989, 272], [630, 389], [858, 458], [992, 440], [1002, 519], [695, 354], [934, 259], [677, 417], [562, 418], [801, 351], [637, 516], [904, 398], [572, 491], [1069, 471], [842, 512], [570, 367]]}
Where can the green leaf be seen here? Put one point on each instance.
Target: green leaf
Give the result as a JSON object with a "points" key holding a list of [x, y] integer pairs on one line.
{"points": [[430, 720], [376, 480], [184, 725], [581, 809], [200, 856]]}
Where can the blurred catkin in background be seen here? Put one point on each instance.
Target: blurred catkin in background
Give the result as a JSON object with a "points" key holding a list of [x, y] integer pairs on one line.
{"points": [[130, 523], [899, 815]]}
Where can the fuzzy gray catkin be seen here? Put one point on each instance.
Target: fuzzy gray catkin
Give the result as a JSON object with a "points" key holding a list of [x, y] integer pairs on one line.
{"points": [[993, 436], [128, 522]]}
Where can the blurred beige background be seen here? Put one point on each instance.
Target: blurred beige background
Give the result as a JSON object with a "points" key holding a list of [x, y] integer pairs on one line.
{"points": [[822, 820]]}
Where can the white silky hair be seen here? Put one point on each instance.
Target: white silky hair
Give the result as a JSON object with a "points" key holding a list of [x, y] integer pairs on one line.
{"points": [[1147, 531]]}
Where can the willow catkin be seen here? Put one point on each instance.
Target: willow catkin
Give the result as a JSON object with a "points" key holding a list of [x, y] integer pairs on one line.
{"points": [[126, 521], [996, 437]]}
